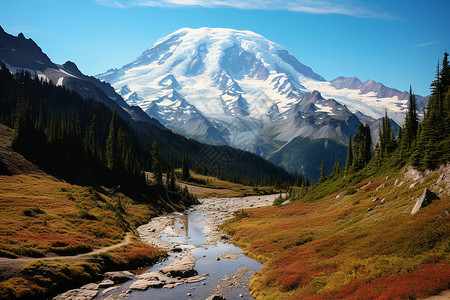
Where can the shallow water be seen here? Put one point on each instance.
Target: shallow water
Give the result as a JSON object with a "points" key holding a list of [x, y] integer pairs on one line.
{"points": [[190, 229]]}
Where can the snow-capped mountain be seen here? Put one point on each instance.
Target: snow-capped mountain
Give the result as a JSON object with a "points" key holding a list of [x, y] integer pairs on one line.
{"points": [[238, 88], [227, 85]]}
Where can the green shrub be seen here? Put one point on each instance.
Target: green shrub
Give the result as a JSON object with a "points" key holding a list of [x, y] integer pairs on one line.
{"points": [[239, 214], [350, 191], [8, 254]]}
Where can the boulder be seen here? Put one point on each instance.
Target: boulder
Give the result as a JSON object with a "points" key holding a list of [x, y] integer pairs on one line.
{"points": [[90, 286], [375, 200], [79, 294], [182, 268], [143, 285], [150, 276], [426, 198], [106, 283], [121, 276]]}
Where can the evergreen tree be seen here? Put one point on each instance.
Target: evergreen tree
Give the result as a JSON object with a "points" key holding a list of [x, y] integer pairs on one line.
{"points": [[185, 166], [409, 131], [362, 145], [172, 181], [349, 160], [92, 138], [156, 165], [387, 140], [322, 171], [337, 169], [23, 126], [111, 145], [428, 153]]}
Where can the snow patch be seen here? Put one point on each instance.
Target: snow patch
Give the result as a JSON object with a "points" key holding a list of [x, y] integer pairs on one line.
{"points": [[60, 81]]}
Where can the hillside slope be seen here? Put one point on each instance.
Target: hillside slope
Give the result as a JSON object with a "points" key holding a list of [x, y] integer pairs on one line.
{"points": [[44, 217], [359, 242]]}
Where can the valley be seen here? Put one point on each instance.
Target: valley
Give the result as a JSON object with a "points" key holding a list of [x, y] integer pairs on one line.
{"points": [[224, 161]]}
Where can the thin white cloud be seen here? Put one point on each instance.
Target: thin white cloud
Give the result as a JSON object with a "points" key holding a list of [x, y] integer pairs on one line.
{"points": [[424, 44], [305, 6]]}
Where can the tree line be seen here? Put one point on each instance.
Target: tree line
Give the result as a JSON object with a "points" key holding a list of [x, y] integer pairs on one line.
{"points": [[423, 144]]}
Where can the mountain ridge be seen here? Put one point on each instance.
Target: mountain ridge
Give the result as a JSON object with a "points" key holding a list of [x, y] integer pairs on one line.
{"points": [[235, 164]]}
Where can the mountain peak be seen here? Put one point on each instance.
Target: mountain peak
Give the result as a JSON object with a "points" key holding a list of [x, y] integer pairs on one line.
{"points": [[71, 67]]}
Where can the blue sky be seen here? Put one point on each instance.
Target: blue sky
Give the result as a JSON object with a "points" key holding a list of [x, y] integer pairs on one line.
{"points": [[396, 42]]}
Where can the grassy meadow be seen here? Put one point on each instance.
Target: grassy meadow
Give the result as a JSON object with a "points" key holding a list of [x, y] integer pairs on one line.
{"points": [[40, 214], [360, 242], [215, 187]]}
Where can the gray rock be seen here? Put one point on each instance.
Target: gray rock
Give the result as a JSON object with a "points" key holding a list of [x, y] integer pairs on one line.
{"points": [[121, 276], [105, 291], [383, 201], [196, 278], [143, 285], [370, 209], [106, 283], [413, 185], [366, 185], [426, 198], [375, 200], [182, 268], [381, 186], [150, 276], [78, 294], [90, 286]]}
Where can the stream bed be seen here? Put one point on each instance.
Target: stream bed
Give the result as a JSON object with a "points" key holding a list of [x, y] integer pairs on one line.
{"points": [[193, 237]]}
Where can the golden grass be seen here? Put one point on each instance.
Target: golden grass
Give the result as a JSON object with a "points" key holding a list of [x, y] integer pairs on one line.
{"points": [[323, 247], [222, 188], [40, 214]]}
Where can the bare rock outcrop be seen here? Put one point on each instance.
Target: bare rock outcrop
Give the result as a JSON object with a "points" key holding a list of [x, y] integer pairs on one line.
{"points": [[424, 200]]}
